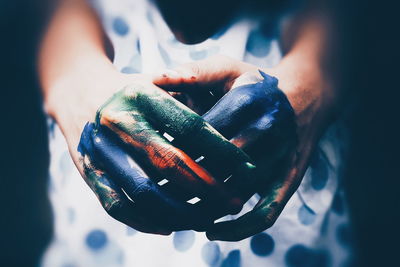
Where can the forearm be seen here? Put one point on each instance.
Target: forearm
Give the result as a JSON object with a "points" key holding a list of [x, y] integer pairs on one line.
{"points": [[73, 59], [303, 76]]}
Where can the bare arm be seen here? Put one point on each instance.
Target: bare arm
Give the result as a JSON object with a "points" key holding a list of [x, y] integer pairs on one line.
{"points": [[75, 72]]}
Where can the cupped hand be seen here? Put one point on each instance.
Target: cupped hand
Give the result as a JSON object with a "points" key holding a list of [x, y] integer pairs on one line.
{"points": [[157, 166], [250, 110]]}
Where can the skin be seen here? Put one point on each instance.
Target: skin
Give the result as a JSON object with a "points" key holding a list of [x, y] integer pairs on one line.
{"points": [[77, 77], [134, 118], [248, 98], [121, 122]]}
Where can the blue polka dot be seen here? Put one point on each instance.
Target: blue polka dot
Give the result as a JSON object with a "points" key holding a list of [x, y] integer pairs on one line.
{"points": [[149, 17], [128, 70], [71, 215], [211, 253], [120, 26], [343, 235], [262, 244], [197, 55], [258, 45], [233, 259], [319, 171], [301, 256], [183, 240], [130, 231], [96, 239], [337, 204], [306, 215]]}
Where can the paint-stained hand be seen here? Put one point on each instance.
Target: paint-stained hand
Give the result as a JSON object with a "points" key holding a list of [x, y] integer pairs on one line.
{"points": [[251, 111], [149, 158]]}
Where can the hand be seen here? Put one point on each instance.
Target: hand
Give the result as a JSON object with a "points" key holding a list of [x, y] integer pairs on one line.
{"points": [[257, 117], [124, 151]]}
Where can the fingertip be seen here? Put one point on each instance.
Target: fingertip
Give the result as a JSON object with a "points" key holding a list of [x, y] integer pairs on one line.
{"points": [[166, 76]]}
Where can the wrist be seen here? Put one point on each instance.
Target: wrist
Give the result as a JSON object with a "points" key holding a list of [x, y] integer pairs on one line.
{"points": [[74, 99], [308, 91]]}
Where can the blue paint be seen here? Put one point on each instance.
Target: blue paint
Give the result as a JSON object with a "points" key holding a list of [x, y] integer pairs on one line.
{"points": [[198, 55], [302, 256], [96, 239], [183, 240], [120, 26], [233, 259], [110, 154], [237, 108], [306, 215], [244, 103], [262, 244], [211, 253], [319, 170]]}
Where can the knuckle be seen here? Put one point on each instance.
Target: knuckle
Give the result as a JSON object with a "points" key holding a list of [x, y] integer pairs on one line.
{"points": [[110, 117], [191, 125], [144, 191], [107, 116], [131, 91], [242, 97], [167, 157]]}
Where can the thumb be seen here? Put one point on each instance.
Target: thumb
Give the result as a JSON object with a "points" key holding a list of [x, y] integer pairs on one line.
{"points": [[218, 72]]}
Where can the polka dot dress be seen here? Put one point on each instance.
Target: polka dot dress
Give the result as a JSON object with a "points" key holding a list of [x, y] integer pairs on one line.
{"points": [[313, 229]]}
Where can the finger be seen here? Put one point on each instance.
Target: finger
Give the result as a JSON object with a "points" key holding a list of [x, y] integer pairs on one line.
{"points": [[257, 220], [244, 104], [263, 215], [257, 118], [188, 128], [113, 200], [192, 133], [213, 72], [270, 134], [162, 203], [167, 161], [163, 158]]}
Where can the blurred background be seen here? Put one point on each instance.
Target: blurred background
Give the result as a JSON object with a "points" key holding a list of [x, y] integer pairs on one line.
{"points": [[365, 60]]}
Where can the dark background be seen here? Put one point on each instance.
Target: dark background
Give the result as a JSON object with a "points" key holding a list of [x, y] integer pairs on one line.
{"points": [[366, 68]]}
